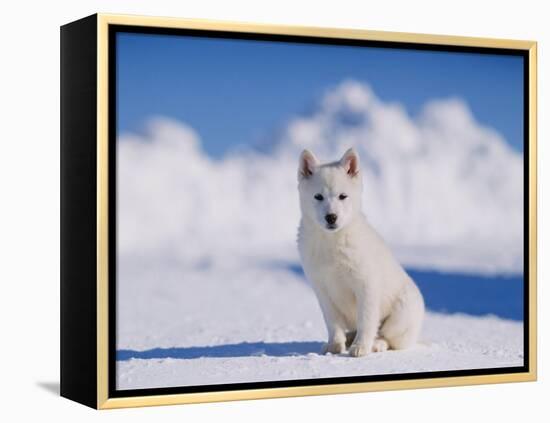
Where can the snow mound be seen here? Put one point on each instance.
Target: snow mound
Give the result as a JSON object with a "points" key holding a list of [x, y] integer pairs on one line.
{"points": [[445, 191]]}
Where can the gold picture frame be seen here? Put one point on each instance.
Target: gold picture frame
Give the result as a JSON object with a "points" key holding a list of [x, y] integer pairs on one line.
{"points": [[93, 389]]}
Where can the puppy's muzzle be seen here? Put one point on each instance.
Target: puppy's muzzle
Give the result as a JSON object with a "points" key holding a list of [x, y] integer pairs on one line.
{"points": [[331, 218]]}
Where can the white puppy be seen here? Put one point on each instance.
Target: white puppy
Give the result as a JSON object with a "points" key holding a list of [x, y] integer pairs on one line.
{"points": [[368, 301]]}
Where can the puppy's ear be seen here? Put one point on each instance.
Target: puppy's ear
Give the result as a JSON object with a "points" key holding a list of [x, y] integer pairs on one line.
{"points": [[308, 165], [350, 162]]}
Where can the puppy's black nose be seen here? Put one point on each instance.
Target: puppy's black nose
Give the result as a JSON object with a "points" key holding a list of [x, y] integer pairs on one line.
{"points": [[331, 218]]}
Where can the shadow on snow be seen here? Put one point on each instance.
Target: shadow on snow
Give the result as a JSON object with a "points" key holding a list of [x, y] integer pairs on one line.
{"points": [[243, 349]]}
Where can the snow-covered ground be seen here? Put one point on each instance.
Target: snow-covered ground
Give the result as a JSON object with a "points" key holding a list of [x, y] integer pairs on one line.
{"points": [[204, 295], [229, 324]]}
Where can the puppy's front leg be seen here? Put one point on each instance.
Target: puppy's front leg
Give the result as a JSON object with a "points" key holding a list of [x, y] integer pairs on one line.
{"points": [[335, 326], [336, 339], [368, 316]]}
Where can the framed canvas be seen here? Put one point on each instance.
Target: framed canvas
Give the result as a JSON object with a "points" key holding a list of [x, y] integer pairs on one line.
{"points": [[257, 211]]}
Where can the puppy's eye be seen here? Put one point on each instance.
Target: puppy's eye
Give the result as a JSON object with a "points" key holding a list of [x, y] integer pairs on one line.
{"points": [[318, 197], [342, 196]]}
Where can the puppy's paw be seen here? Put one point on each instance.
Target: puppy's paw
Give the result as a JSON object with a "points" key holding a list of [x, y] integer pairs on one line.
{"points": [[334, 348], [380, 345], [359, 349]]}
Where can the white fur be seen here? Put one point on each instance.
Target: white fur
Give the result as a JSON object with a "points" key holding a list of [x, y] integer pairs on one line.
{"points": [[368, 301]]}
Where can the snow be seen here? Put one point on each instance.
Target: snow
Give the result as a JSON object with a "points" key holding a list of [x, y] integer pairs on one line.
{"points": [[219, 325], [445, 191], [206, 293]]}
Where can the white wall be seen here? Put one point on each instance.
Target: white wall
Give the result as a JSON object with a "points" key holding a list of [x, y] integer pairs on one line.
{"points": [[29, 170]]}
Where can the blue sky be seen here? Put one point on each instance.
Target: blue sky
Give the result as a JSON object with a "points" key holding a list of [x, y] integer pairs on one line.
{"points": [[236, 92]]}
